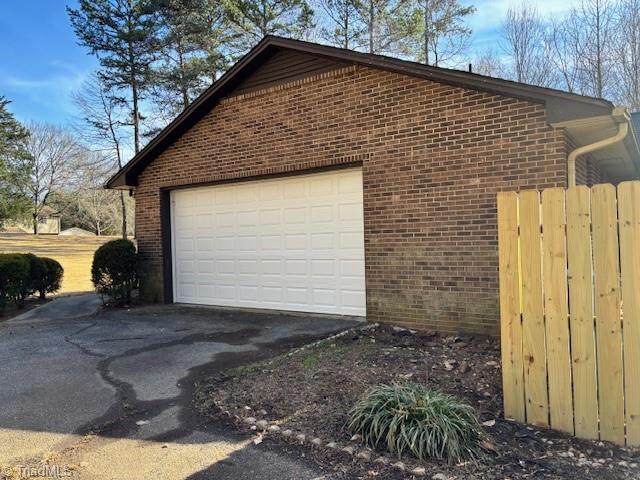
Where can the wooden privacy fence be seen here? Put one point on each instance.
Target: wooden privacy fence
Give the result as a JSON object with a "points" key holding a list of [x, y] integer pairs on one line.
{"points": [[570, 309]]}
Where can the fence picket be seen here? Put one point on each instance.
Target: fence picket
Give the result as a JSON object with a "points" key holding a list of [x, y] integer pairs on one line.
{"points": [[583, 347], [533, 332], [607, 308], [511, 328], [629, 224], [554, 278], [570, 310]]}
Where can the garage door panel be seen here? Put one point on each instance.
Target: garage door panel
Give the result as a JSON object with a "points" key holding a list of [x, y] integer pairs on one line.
{"points": [[351, 268], [295, 216], [350, 212], [247, 245], [271, 216], [294, 189], [322, 213]]}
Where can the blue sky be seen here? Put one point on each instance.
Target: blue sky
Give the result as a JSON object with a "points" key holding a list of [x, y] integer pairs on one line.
{"points": [[41, 63]]}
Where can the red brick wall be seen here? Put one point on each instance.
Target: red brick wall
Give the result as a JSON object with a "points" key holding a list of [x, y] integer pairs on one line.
{"points": [[433, 157]]}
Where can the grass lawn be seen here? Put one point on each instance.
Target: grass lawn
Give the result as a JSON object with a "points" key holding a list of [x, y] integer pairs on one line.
{"points": [[75, 254]]}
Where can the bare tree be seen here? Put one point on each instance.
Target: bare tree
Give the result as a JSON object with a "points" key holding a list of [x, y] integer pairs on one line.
{"points": [[490, 64], [591, 30], [51, 164], [627, 55], [101, 127], [524, 41], [565, 52], [96, 205]]}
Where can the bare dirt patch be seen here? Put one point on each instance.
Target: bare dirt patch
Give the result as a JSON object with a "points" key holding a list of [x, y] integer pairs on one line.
{"points": [[312, 391]]}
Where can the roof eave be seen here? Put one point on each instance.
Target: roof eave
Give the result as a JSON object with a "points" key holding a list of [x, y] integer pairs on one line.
{"points": [[560, 106]]}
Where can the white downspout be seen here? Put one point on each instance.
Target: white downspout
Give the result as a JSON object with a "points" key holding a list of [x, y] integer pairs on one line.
{"points": [[620, 115]]}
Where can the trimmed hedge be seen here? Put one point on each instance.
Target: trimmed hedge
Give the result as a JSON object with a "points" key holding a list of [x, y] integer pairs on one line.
{"points": [[22, 274], [115, 270], [50, 280]]}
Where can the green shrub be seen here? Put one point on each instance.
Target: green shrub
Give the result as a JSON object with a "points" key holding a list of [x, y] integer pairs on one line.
{"points": [[37, 272], [15, 278], [50, 278], [411, 417], [115, 270]]}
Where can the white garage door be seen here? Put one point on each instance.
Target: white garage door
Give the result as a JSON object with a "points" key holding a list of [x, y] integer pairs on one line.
{"points": [[294, 243]]}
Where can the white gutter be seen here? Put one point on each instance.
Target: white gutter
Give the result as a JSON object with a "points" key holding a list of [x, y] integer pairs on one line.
{"points": [[621, 117]]}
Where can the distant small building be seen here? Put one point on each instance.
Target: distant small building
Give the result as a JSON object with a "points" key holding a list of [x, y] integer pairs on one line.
{"points": [[48, 221], [77, 232]]}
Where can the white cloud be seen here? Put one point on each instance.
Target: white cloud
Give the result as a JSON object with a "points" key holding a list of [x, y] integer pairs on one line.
{"points": [[46, 97], [489, 15]]}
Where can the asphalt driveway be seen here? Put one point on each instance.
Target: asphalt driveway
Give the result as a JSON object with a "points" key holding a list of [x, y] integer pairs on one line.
{"points": [[109, 395]]}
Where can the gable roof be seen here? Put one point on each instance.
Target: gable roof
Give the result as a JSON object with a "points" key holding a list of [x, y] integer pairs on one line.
{"points": [[560, 106], [47, 211]]}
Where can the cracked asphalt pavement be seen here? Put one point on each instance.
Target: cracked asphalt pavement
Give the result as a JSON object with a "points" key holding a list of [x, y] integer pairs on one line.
{"points": [[109, 394]]}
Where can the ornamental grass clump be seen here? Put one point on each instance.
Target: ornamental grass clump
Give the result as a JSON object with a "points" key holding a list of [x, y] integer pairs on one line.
{"points": [[411, 417]]}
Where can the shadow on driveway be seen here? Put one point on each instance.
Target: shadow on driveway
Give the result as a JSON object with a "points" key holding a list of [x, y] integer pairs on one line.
{"points": [[110, 394]]}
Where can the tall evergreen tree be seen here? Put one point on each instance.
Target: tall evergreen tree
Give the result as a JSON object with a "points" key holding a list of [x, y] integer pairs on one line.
{"points": [[253, 19], [387, 24], [123, 35], [343, 27], [13, 175], [192, 38], [440, 34]]}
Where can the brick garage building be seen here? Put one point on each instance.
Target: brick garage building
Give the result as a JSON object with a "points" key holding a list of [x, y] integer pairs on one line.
{"points": [[420, 151]]}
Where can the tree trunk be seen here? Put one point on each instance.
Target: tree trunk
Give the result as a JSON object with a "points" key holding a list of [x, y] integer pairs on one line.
{"points": [[136, 116], [124, 215], [345, 44], [371, 26], [184, 91], [426, 32], [35, 215]]}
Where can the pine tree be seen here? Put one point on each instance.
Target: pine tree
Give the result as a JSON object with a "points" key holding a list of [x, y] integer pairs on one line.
{"points": [[192, 38], [343, 26], [13, 175], [440, 34], [387, 24], [123, 35], [253, 19]]}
